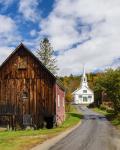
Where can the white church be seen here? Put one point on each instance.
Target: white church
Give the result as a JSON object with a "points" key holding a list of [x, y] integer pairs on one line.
{"points": [[83, 95]]}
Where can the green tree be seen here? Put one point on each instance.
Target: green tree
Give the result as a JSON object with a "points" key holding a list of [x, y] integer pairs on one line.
{"points": [[98, 89], [46, 55], [68, 99], [110, 83]]}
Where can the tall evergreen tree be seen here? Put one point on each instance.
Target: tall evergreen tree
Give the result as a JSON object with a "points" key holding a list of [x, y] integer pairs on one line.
{"points": [[46, 56]]}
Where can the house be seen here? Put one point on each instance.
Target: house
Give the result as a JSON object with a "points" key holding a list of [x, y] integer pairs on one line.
{"points": [[30, 94], [83, 95]]}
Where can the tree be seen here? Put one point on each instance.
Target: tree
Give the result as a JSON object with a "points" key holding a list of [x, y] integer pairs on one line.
{"points": [[46, 56], [98, 89], [68, 99], [112, 87], [68, 96], [110, 83]]}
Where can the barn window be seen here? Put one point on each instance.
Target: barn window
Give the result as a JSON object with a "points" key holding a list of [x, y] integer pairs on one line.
{"points": [[22, 62], [24, 95], [58, 101]]}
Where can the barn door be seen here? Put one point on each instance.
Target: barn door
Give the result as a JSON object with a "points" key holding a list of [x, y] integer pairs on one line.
{"points": [[23, 90]]}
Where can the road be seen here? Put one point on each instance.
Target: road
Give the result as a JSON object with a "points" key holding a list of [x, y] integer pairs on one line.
{"points": [[95, 133]]}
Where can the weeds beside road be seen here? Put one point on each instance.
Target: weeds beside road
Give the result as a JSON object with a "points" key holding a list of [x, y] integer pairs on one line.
{"points": [[113, 118]]}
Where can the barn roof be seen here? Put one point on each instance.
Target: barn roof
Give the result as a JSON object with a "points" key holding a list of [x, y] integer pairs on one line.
{"points": [[58, 82], [25, 48]]}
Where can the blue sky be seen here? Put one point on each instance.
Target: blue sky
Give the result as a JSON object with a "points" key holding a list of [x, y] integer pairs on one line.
{"points": [[80, 31], [25, 22]]}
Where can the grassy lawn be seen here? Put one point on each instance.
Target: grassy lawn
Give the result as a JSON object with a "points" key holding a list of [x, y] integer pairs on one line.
{"points": [[114, 119], [24, 140]]}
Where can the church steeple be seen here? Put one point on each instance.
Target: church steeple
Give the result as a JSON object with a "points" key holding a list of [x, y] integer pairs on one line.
{"points": [[84, 79]]}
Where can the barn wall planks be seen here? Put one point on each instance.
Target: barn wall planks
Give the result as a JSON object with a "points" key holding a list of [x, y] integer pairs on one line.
{"points": [[28, 87]]}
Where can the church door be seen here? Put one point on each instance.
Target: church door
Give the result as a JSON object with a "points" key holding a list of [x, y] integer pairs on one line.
{"points": [[85, 99]]}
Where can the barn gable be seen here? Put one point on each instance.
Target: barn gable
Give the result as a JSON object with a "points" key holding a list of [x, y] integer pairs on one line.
{"points": [[22, 50]]}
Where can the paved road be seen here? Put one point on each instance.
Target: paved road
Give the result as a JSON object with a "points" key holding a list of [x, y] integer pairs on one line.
{"points": [[95, 133]]}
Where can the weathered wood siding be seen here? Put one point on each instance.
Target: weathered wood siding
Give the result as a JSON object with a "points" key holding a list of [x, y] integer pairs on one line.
{"points": [[21, 72]]}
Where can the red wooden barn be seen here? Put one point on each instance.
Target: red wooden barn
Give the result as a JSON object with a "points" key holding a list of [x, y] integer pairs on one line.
{"points": [[30, 94]]}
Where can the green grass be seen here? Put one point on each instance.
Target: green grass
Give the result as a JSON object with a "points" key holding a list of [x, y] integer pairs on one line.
{"points": [[113, 118], [24, 140], [104, 112]]}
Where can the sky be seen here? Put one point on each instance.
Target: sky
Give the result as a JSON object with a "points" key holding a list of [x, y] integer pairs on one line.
{"points": [[81, 32]]}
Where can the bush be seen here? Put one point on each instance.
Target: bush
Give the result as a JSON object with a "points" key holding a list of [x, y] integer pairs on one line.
{"points": [[110, 110], [92, 105], [103, 107]]}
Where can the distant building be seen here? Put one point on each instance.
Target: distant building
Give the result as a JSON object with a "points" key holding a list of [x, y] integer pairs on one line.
{"points": [[83, 95]]}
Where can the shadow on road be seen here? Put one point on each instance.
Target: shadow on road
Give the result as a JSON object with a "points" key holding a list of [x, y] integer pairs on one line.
{"points": [[94, 117]]}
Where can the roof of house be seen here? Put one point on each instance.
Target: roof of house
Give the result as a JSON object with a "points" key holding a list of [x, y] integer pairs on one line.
{"points": [[22, 45], [80, 89]]}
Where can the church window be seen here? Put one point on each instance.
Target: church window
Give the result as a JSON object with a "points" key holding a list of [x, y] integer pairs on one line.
{"points": [[80, 96], [89, 96], [84, 91]]}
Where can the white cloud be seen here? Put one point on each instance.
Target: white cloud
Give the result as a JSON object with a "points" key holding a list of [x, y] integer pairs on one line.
{"points": [[8, 31], [4, 53], [7, 24], [8, 36], [28, 8], [33, 33], [73, 22]]}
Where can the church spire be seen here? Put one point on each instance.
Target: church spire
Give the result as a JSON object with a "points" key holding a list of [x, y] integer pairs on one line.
{"points": [[84, 79]]}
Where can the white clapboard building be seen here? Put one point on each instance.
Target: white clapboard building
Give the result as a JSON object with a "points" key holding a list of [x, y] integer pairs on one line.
{"points": [[83, 95]]}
